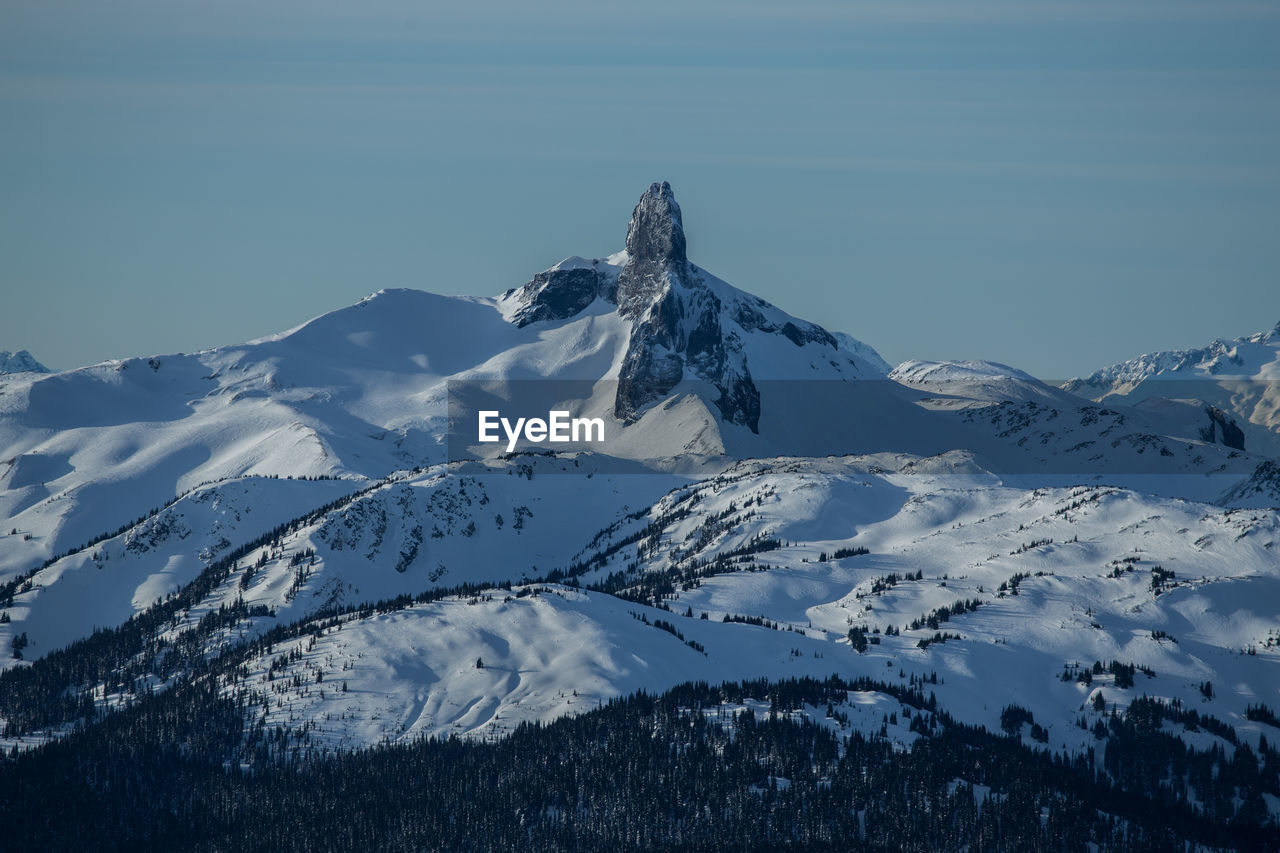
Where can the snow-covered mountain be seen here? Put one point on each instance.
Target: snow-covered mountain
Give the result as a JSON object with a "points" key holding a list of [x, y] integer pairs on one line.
{"points": [[1254, 356], [684, 322], [363, 391], [20, 362], [679, 365], [297, 523], [969, 384], [1228, 391]]}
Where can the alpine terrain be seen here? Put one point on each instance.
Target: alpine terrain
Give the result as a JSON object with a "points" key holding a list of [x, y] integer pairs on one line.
{"points": [[773, 594]]}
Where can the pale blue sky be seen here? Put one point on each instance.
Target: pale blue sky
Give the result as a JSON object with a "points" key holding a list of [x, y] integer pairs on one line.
{"points": [[1056, 185]]}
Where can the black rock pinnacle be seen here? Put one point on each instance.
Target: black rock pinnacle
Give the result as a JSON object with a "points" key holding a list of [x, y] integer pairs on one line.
{"points": [[677, 333], [655, 250]]}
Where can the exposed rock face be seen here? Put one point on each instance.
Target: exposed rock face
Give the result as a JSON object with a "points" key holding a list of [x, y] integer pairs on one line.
{"points": [[655, 251], [677, 320], [559, 293], [1222, 429], [750, 318], [686, 325]]}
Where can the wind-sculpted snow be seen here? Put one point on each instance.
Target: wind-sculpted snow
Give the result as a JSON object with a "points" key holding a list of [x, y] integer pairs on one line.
{"points": [[480, 665]]}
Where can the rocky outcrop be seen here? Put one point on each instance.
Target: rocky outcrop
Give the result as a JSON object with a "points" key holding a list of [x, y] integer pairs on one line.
{"points": [[751, 318], [1222, 429], [655, 251], [678, 331], [559, 293], [685, 325]]}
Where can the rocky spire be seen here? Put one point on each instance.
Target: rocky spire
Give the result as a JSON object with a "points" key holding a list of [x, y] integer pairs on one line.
{"points": [[677, 332], [655, 250], [656, 232]]}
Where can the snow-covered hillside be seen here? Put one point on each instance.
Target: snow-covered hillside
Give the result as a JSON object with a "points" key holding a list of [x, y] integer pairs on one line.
{"points": [[763, 570], [371, 541], [973, 383]]}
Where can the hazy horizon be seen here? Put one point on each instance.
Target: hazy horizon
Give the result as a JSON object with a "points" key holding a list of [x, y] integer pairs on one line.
{"points": [[1052, 186]]}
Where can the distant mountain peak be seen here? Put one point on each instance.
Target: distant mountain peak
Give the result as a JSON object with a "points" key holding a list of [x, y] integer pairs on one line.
{"points": [[1232, 382], [685, 324], [20, 362], [1251, 356], [954, 371], [678, 325]]}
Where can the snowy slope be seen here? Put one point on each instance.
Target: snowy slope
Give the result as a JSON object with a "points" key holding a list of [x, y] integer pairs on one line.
{"points": [[1063, 578], [111, 580], [1253, 356], [680, 365], [975, 382], [402, 675], [863, 351], [1052, 580], [402, 535]]}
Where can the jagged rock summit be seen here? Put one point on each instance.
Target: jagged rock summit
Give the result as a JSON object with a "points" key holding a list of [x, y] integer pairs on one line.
{"points": [[564, 291], [686, 324], [677, 318], [655, 250]]}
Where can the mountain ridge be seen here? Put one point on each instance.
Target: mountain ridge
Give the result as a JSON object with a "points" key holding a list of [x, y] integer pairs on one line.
{"points": [[361, 391], [291, 529], [20, 362], [1228, 391]]}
